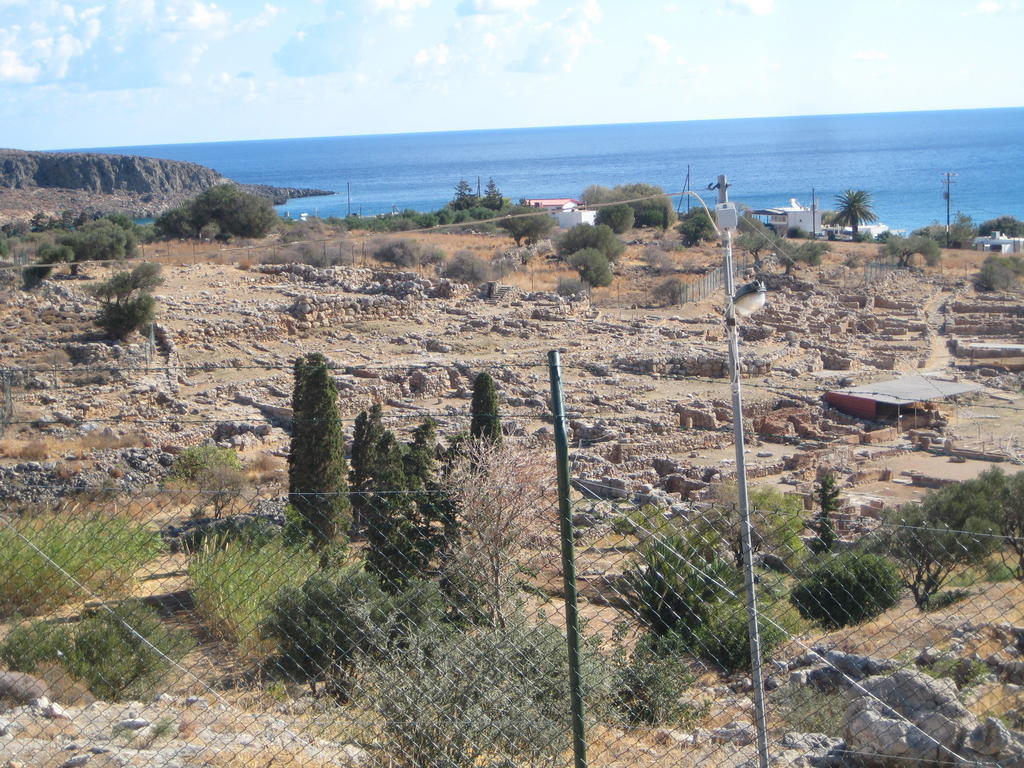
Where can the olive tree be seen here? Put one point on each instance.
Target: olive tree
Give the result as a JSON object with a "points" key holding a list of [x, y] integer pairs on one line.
{"points": [[125, 301], [952, 528]]}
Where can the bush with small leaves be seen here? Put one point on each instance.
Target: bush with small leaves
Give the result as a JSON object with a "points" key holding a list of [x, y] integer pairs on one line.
{"points": [[593, 267], [1001, 273], [321, 626], [495, 696], [679, 580], [696, 227], [468, 268], [647, 686], [193, 463], [619, 217], [125, 302], [588, 236], [570, 286], [724, 638], [670, 292], [119, 653], [849, 589], [404, 253]]}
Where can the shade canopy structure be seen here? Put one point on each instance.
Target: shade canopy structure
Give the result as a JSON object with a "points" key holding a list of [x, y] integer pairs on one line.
{"points": [[868, 400]]}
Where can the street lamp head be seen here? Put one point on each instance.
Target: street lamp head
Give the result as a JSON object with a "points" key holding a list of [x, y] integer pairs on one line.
{"points": [[749, 298]]}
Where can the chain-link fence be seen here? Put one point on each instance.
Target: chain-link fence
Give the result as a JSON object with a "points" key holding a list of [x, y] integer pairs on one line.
{"points": [[420, 617]]}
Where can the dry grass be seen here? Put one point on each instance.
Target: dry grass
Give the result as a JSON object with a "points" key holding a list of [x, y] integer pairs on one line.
{"points": [[264, 758], [98, 441], [266, 468], [33, 450]]}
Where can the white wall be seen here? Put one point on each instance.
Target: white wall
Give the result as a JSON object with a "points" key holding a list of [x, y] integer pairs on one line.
{"points": [[567, 219]]}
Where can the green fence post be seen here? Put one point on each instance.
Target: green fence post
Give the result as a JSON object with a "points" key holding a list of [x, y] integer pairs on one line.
{"points": [[572, 619]]}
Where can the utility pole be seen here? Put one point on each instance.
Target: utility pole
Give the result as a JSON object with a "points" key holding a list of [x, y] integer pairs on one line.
{"points": [[947, 179], [687, 195], [728, 219], [814, 214]]}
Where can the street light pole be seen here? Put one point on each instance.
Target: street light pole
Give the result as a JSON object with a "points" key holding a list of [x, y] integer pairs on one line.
{"points": [[728, 220]]}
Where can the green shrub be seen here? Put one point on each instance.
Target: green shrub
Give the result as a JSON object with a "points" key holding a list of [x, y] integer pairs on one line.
{"points": [[239, 530], [940, 600], [119, 320], [31, 644], [120, 653], [588, 236], [468, 268], [1000, 273], [100, 553], [670, 292], [696, 227], [234, 586], [647, 688], [404, 253], [570, 286], [807, 709], [619, 218], [326, 622], [679, 582], [849, 589], [593, 267], [192, 463], [495, 696], [101, 240], [723, 638], [125, 302], [223, 211]]}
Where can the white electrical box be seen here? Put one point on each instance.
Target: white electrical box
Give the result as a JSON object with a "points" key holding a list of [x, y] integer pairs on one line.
{"points": [[727, 215]]}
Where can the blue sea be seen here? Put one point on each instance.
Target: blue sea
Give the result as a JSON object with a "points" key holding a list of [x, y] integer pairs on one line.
{"points": [[898, 157]]}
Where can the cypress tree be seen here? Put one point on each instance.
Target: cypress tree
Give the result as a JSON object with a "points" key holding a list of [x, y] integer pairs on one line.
{"points": [[828, 502], [317, 471], [410, 527], [366, 441], [485, 422]]}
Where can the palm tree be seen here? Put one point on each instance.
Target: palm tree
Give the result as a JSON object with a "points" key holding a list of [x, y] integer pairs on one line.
{"points": [[854, 209]]}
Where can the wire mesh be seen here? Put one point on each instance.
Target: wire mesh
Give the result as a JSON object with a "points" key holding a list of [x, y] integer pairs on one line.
{"points": [[202, 621]]}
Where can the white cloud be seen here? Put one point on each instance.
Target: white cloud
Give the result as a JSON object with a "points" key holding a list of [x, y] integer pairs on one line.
{"points": [[750, 7], [871, 54], [437, 56], [987, 6], [556, 45], [402, 6], [493, 7], [261, 19], [207, 17], [659, 44], [14, 70]]}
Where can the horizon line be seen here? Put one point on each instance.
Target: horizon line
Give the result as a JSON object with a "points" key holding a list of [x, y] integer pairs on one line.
{"points": [[539, 127]]}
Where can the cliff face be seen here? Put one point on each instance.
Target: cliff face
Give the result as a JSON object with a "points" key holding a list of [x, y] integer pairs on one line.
{"points": [[92, 183], [105, 174]]}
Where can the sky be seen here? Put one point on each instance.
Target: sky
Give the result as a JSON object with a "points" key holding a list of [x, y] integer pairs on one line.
{"points": [[132, 72]]}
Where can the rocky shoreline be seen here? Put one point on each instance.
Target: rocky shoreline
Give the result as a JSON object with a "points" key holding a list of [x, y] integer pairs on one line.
{"points": [[93, 183]]}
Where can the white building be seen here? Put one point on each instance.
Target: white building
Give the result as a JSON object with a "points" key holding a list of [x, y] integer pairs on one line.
{"points": [[997, 242], [554, 203], [792, 216], [567, 219]]}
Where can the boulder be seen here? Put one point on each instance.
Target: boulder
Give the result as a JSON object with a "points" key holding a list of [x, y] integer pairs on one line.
{"points": [[22, 688], [911, 717]]}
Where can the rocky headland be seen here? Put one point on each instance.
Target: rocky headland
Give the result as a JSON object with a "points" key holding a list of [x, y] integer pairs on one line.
{"points": [[94, 183]]}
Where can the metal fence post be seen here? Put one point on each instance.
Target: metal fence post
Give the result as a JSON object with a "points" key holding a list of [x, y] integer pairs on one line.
{"points": [[572, 619]]}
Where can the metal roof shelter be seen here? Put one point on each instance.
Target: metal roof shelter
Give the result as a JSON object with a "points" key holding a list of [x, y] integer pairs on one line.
{"points": [[910, 391]]}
